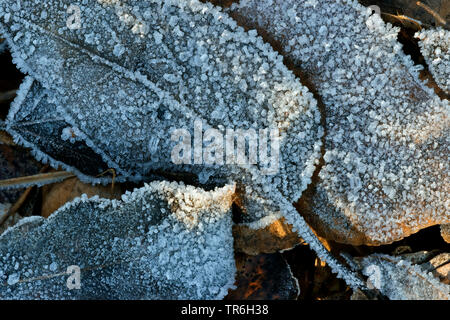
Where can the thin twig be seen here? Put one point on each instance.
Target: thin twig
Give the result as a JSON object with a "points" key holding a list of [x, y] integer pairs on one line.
{"points": [[19, 201], [110, 170], [436, 16], [403, 19], [38, 179]]}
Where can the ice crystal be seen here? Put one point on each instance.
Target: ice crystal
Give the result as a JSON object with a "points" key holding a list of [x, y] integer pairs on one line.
{"points": [[386, 171], [398, 279], [435, 47], [163, 241]]}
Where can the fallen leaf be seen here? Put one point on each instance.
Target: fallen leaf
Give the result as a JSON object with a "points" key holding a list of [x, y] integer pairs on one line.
{"points": [[398, 279], [385, 170], [35, 123], [435, 47], [445, 232], [56, 195], [163, 241], [263, 277], [439, 266], [277, 236]]}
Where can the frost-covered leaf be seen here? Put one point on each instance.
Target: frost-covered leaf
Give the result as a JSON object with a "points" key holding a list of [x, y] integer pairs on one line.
{"points": [[35, 123], [400, 280], [163, 241], [264, 277], [445, 232], [435, 47], [386, 166]]}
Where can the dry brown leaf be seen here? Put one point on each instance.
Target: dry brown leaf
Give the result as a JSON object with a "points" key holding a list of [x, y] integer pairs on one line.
{"points": [[440, 267], [56, 195], [263, 277], [445, 232], [275, 237]]}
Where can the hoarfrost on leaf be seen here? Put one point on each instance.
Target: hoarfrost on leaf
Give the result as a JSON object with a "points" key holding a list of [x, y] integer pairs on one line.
{"points": [[35, 123], [386, 163], [435, 47], [163, 241], [399, 279], [445, 232]]}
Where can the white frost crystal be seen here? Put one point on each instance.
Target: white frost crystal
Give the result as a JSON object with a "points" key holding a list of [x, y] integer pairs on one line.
{"points": [[163, 241], [386, 171], [435, 47], [398, 279]]}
